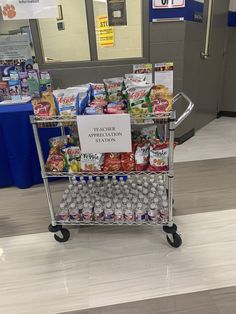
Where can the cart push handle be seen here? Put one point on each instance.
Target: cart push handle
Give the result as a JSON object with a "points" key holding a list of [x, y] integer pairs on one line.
{"points": [[187, 111]]}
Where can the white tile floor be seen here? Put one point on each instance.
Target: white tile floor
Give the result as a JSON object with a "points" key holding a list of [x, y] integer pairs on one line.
{"points": [[216, 140], [102, 265]]}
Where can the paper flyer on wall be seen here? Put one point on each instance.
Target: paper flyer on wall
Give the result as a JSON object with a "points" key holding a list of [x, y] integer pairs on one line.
{"points": [[28, 9], [164, 75], [144, 69]]}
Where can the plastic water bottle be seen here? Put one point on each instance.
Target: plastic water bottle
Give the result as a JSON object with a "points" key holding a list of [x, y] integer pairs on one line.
{"points": [[152, 214], [109, 213], [87, 213], [140, 213], [74, 212], [63, 213], [128, 213], [164, 212], [98, 212], [119, 216]]}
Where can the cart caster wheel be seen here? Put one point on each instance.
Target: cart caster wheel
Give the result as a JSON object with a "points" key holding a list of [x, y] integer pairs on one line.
{"points": [[174, 240], [170, 230], [65, 233]]}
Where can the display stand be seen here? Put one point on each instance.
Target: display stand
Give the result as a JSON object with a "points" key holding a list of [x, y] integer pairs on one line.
{"points": [[170, 123]]}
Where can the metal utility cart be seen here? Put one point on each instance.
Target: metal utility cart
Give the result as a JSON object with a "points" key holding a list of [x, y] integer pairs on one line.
{"points": [[166, 121]]}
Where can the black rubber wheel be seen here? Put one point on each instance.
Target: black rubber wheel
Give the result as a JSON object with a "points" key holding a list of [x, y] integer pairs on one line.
{"points": [[174, 240], [65, 235], [170, 230]]}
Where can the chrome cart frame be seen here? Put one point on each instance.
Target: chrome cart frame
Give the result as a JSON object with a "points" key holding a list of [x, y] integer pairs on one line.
{"points": [[169, 122]]}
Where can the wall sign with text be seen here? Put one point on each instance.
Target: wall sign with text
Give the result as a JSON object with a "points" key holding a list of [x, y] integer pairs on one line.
{"points": [[168, 4], [105, 133], [28, 9]]}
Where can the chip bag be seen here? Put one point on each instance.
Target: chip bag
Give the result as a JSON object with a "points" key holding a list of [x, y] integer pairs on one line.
{"points": [[55, 161], [139, 100], [92, 162], [112, 162], [72, 159], [114, 88], [44, 106], [161, 99], [142, 156], [159, 153], [128, 160], [98, 91]]}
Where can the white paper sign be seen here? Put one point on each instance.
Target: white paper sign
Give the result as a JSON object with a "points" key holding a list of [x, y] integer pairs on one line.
{"points": [[28, 9], [164, 75], [105, 133], [168, 4], [15, 47]]}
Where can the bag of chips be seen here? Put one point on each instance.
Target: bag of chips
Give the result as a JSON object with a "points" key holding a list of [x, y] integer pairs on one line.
{"points": [[91, 162], [139, 100], [161, 99], [114, 88], [159, 153], [133, 78], [44, 106], [55, 161], [98, 92], [128, 159], [112, 162], [142, 156], [72, 158]]}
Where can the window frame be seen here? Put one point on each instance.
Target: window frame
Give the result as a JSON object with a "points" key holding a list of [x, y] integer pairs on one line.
{"points": [[38, 48]]}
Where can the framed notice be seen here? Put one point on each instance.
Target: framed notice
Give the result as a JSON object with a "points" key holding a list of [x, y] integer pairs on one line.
{"points": [[105, 133], [15, 47], [168, 4], [117, 12]]}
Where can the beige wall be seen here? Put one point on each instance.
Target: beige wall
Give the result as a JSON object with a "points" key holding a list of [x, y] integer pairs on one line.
{"points": [[72, 43], [128, 39], [6, 26]]}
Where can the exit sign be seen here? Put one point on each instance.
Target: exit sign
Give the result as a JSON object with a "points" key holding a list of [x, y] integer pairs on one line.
{"points": [[168, 4]]}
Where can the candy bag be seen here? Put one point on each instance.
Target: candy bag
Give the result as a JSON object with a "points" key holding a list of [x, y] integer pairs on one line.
{"points": [[72, 158], [115, 108], [112, 162], [55, 161], [114, 87], [44, 106], [142, 156], [159, 153], [138, 99], [92, 162]]}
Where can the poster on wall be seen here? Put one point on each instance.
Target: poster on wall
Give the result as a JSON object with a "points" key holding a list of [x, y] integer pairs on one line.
{"points": [[164, 75], [28, 9], [144, 69], [117, 12], [168, 4], [105, 33], [104, 133]]}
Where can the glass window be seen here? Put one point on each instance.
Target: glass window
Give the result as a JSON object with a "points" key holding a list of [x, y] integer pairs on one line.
{"points": [[66, 38], [127, 39]]}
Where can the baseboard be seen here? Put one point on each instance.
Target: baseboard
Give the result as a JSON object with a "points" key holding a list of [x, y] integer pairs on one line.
{"points": [[183, 138], [231, 114]]}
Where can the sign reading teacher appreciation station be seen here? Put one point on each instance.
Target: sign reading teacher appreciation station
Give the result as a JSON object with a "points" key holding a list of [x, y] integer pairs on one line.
{"points": [[105, 133]]}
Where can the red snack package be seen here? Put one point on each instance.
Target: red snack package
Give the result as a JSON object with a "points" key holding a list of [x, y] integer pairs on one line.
{"points": [[55, 161], [159, 153], [128, 160], [112, 162], [142, 156]]}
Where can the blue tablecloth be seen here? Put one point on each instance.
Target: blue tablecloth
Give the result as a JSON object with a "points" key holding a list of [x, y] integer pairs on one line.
{"points": [[19, 164]]}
